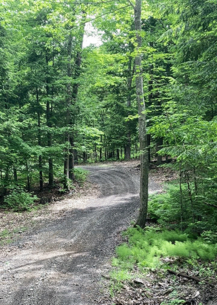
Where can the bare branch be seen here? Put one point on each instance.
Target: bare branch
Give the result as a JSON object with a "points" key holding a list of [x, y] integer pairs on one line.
{"points": [[185, 275]]}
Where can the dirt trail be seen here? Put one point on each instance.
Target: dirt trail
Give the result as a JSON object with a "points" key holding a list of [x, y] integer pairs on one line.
{"points": [[61, 262]]}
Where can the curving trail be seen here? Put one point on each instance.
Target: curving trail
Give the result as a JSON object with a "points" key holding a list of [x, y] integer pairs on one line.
{"points": [[62, 262]]}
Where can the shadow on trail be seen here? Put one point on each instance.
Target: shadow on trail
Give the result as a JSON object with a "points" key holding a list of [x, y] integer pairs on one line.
{"points": [[85, 240], [70, 254]]}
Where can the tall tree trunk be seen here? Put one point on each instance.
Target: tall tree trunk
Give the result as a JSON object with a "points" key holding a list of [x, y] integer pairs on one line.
{"points": [[70, 136], [75, 153], [149, 147], [72, 92], [141, 221], [15, 175], [39, 143], [28, 185], [49, 136], [159, 145], [100, 150], [129, 91], [150, 100], [118, 154], [49, 143], [128, 147]]}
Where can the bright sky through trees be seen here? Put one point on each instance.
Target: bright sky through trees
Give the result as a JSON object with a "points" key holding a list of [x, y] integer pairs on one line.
{"points": [[91, 36]]}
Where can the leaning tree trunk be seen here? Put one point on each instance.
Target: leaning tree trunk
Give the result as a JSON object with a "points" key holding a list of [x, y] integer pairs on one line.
{"points": [[141, 221]]}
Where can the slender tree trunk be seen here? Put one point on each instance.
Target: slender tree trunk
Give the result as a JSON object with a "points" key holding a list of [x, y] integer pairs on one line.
{"points": [[72, 92], [75, 153], [129, 88], [118, 154], [39, 143], [136, 150], [190, 195], [100, 154], [159, 145], [6, 178], [15, 175], [149, 147], [69, 162], [71, 158], [181, 200], [28, 185], [49, 136], [84, 157], [141, 221], [49, 143], [100, 150], [128, 147]]}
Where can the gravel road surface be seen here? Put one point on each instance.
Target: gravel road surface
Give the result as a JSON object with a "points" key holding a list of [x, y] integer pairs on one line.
{"points": [[62, 261]]}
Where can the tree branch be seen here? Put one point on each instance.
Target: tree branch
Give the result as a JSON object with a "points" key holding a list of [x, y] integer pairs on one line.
{"points": [[133, 6], [185, 275], [211, 205]]}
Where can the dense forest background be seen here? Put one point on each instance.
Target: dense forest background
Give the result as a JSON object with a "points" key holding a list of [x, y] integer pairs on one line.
{"points": [[64, 104]]}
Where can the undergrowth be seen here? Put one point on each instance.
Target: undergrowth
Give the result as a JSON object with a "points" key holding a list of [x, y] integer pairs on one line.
{"points": [[148, 249], [80, 175], [19, 199], [186, 211]]}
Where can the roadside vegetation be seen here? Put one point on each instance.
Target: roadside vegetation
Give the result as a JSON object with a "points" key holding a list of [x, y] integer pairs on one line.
{"points": [[174, 259], [165, 266], [19, 199], [20, 209]]}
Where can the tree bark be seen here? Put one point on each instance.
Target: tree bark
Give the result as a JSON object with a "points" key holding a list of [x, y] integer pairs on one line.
{"points": [[141, 221], [129, 89], [128, 147], [159, 145], [72, 92], [49, 143], [39, 143], [118, 154], [149, 147], [49, 125], [15, 175]]}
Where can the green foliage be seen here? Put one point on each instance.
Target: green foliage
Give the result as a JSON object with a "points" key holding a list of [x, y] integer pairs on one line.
{"points": [[155, 249], [209, 237], [4, 233], [80, 175], [146, 248], [173, 302], [185, 211], [20, 200]]}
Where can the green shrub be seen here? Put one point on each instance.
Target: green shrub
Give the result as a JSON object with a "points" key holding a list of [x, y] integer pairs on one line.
{"points": [[189, 213], [209, 236], [80, 175], [19, 200], [123, 252]]}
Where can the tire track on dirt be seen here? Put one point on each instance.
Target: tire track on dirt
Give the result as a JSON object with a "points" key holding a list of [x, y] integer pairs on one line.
{"points": [[68, 255]]}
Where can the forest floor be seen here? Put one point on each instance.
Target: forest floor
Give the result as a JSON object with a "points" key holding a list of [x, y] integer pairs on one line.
{"points": [[61, 254]]}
